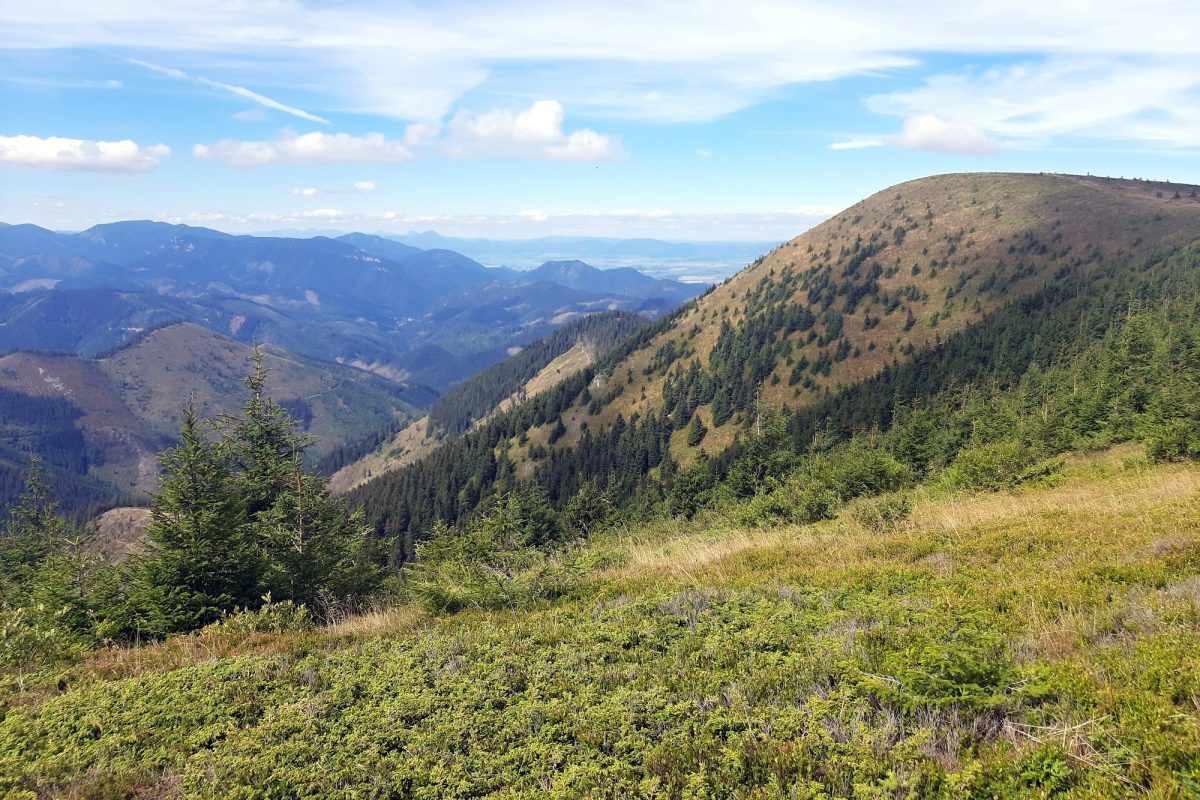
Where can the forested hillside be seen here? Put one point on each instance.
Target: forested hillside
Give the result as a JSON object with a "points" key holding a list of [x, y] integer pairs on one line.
{"points": [[98, 424], [536, 368], [953, 282]]}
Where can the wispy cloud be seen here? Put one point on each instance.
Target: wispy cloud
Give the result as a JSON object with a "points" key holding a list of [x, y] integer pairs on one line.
{"points": [[1152, 100], [58, 153], [416, 61], [240, 91], [308, 148]]}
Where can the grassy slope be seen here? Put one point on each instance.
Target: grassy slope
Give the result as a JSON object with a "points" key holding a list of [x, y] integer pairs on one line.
{"points": [[974, 226], [1000, 644]]}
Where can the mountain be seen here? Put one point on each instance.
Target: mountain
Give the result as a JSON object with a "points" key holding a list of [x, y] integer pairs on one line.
{"points": [[99, 423], [620, 280], [428, 317], [699, 261], [536, 368], [947, 280]]}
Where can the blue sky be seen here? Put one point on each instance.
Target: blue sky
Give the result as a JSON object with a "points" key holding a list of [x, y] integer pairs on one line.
{"points": [[701, 120]]}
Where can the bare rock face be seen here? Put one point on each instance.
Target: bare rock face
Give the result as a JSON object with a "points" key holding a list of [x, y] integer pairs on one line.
{"points": [[118, 533]]}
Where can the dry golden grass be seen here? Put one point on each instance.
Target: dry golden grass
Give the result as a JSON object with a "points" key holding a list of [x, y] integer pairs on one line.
{"points": [[1142, 509]]}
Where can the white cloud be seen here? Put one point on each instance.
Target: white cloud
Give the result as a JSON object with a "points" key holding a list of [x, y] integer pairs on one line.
{"points": [[414, 61], [58, 153], [534, 215], [421, 133], [240, 91], [309, 191], [534, 132], [930, 132], [308, 148], [362, 187]]}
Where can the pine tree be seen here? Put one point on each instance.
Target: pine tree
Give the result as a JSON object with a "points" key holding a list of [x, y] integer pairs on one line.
{"points": [[696, 431], [201, 564], [310, 547]]}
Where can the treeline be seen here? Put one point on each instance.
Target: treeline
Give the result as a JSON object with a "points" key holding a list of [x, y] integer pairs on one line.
{"points": [[473, 399], [350, 452], [238, 523]]}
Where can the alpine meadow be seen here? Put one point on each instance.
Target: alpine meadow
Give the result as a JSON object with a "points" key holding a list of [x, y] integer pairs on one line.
{"points": [[664, 467]]}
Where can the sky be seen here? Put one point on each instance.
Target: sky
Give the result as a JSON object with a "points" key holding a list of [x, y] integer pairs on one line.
{"points": [[700, 120]]}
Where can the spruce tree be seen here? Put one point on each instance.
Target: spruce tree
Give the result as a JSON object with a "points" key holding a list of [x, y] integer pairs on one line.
{"points": [[200, 565], [310, 547]]}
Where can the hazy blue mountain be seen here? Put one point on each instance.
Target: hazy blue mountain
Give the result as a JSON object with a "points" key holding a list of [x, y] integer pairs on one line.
{"points": [[430, 316], [620, 280], [706, 261]]}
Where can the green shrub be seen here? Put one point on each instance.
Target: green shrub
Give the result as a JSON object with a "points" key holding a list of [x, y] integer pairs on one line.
{"points": [[32, 638], [270, 617], [819, 486], [1174, 440], [992, 467], [884, 513]]}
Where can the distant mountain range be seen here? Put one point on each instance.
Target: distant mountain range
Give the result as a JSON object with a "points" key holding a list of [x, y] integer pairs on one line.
{"points": [[694, 261], [429, 316], [393, 324]]}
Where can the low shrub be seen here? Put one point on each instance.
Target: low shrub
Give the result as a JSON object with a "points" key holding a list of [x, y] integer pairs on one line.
{"points": [[884, 513], [271, 617], [991, 467]]}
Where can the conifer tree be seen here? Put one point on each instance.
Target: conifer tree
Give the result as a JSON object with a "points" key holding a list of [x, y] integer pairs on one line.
{"points": [[31, 532], [310, 547], [201, 564]]}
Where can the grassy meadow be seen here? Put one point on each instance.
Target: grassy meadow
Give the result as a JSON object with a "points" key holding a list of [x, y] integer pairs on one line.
{"points": [[1040, 642]]}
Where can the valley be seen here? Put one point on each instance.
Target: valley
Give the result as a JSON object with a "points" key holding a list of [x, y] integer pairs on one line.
{"points": [[125, 321]]}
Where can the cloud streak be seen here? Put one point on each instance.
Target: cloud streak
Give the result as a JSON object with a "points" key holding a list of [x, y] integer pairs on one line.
{"points": [[240, 91], [62, 154]]}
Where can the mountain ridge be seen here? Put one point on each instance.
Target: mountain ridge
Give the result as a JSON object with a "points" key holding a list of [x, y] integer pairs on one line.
{"points": [[877, 287]]}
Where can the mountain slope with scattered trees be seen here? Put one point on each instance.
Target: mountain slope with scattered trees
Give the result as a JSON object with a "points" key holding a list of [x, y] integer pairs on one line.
{"points": [[951, 280]]}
